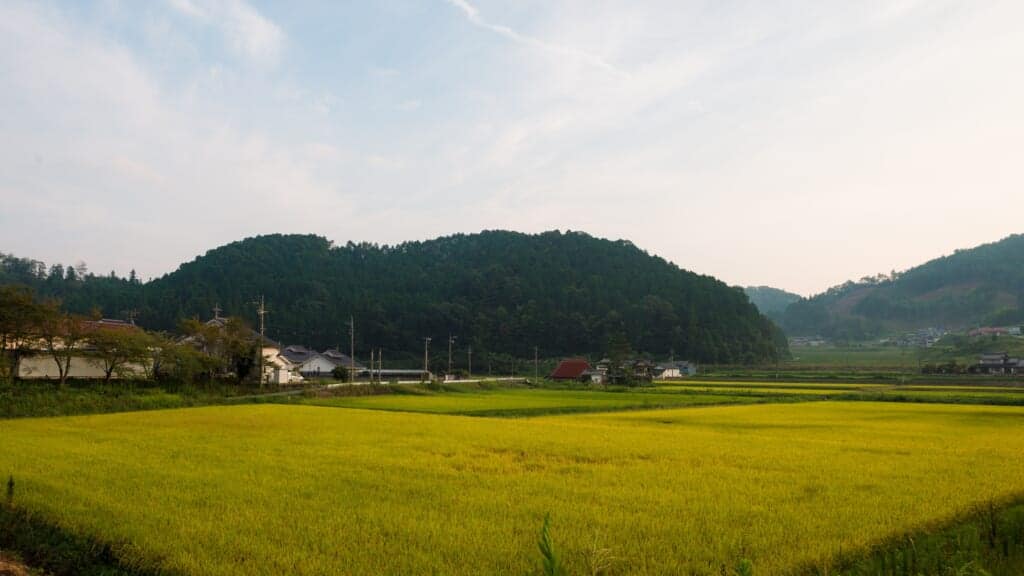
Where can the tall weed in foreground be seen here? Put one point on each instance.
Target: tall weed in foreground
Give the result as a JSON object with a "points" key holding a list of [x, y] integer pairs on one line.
{"points": [[551, 564]]}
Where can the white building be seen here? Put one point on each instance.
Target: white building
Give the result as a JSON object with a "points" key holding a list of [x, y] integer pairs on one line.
{"points": [[672, 370]]}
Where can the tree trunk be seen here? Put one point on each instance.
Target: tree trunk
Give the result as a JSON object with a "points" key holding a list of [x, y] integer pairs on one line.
{"points": [[63, 369]]}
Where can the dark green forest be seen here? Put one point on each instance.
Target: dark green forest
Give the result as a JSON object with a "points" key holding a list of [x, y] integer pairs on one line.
{"points": [[500, 292], [982, 286]]}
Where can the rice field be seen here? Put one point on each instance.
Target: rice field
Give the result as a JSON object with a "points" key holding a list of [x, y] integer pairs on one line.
{"points": [[528, 402], [677, 384], [272, 489], [740, 388], [997, 395]]}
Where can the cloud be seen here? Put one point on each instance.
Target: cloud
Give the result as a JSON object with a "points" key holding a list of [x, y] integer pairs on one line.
{"points": [[103, 154], [246, 32], [409, 105], [188, 8], [847, 130], [473, 15]]}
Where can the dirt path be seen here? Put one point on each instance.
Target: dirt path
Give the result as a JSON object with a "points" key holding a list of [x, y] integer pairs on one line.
{"points": [[10, 567]]}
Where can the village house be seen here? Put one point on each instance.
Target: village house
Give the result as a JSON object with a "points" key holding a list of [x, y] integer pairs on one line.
{"points": [[313, 364], [998, 363], [277, 369], [674, 370], [340, 359], [628, 371]]}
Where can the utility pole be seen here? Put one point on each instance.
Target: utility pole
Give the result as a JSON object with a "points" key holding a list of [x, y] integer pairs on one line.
{"points": [[426, 357], [470, 369], [261, 311], [380, 366], [351, 349], [536, 364], [451, 340], [371, 365]]}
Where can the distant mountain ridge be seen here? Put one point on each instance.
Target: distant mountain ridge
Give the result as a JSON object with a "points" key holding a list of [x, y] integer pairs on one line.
{"points": [[772, 302], [497, 291], [975, 287]]}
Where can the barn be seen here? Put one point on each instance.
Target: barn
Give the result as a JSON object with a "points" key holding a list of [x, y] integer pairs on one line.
{"points": [[570, 369]]}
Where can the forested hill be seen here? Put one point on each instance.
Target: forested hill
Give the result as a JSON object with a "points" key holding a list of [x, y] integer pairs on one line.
{"points": [[981, 286], [772, 302], [498, 291]]}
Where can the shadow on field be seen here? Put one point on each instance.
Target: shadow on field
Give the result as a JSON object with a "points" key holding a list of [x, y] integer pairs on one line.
{"points": [[47, 547], [987, 541]]}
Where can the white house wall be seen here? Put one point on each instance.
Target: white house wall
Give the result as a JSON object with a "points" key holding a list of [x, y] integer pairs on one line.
{"points": [[317, 364], [45, 367]]}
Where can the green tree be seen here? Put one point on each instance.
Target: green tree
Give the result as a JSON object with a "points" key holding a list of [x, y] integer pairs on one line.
{"points": [[62, 334], [183, 363], [120, 351], [232, 342], [20, 318]]}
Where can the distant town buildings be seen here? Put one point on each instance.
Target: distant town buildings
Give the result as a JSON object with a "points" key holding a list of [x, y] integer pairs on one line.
{"points": [[812, 341], [998, 363], [920, 338]]}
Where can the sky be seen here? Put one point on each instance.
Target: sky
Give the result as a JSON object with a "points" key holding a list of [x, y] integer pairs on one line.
{"points": [[790, 144]]}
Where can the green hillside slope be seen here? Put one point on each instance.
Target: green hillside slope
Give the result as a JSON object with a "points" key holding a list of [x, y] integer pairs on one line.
{"points": [[975, 287], [502, 292]]}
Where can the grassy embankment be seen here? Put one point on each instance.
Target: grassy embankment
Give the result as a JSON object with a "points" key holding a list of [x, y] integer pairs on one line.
{"points": [[24, 399], [300, 489]]}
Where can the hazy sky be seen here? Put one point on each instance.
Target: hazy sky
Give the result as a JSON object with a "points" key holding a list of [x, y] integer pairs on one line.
{"points": [[793, 144]]}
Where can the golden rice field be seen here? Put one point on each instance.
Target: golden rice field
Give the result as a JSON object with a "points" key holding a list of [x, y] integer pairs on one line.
{"points": [[291, 489], [741, 388], [527, 402], [1005, 395], [676, 384]]}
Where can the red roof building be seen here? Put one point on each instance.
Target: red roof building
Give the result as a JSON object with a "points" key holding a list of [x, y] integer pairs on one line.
{"points": [[570, 369]]}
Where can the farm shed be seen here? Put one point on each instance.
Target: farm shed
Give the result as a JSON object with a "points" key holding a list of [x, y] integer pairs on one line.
{"points": [[570, 369]]}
